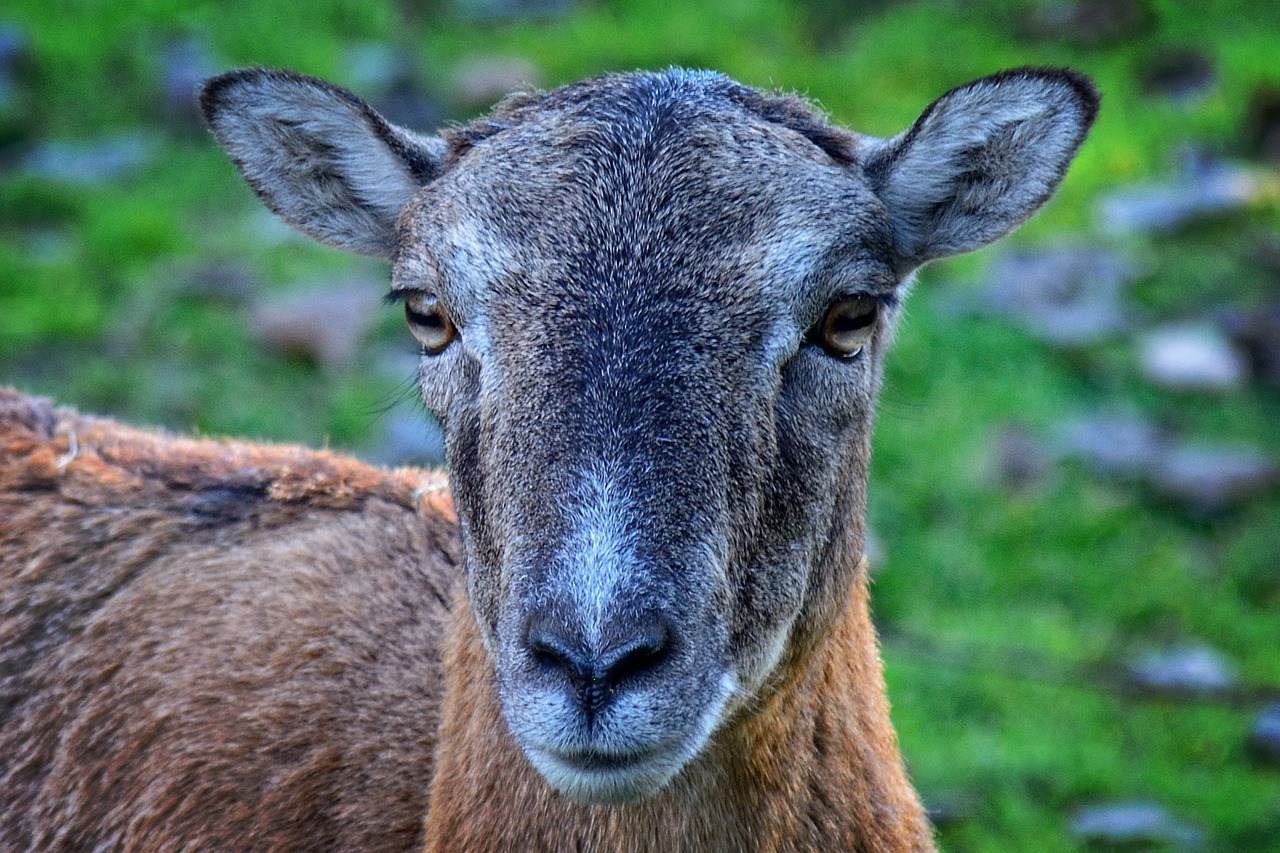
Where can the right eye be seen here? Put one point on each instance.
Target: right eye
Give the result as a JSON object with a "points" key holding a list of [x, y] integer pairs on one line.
{"points": [[847, 326], [428, 322]]}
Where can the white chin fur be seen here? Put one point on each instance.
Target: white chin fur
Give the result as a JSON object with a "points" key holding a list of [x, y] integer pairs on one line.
{"points": [[630, 779]]}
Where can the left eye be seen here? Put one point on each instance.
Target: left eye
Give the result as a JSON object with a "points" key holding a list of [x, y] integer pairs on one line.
{"points": [[428, 322], [847, 326]]}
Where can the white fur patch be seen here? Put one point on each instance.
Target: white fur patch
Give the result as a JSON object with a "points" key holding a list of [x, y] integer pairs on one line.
{"points": [[599, 558]]}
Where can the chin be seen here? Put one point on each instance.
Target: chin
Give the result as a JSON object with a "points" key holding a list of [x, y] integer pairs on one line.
{"points": [[599, 780]]}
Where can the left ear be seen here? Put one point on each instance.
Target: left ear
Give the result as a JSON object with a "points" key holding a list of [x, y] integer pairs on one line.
{"points": [[980, 160]]}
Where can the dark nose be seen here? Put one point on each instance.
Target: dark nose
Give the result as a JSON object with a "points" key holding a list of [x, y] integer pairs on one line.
{"points": [[638, 647]]}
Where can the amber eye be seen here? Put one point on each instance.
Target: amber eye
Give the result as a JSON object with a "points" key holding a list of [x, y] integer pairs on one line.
{"points": [[848, 325], [428, 322]]}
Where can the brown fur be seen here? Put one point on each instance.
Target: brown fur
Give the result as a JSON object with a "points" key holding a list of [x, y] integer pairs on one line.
{"points": [[814, 766], [213, 645]]}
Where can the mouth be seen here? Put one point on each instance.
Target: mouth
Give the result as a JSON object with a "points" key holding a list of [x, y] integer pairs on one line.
{"points": [[595, 777]]}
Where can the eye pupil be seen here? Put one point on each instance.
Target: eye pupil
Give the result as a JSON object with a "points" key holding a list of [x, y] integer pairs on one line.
{"points": [[847, 326], [428, 322]]}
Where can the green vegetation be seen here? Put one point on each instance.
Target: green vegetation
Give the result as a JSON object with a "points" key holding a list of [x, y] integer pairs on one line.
{"points": [[996, 605]]}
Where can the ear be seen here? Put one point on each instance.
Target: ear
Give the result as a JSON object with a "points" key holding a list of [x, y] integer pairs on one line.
{"points": [[980, 160], [319, 156]]}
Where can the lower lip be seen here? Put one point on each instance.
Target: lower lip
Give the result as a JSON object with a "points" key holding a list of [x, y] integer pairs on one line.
{"points": [[598, 763]]}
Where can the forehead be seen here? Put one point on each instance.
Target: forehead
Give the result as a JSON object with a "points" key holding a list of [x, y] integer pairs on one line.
{"points": [[667, 181]]}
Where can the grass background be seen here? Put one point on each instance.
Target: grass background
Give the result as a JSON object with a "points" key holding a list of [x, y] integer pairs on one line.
{"points": [[999, 609]]}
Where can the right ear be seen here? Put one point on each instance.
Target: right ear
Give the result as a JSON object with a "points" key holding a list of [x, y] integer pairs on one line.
{"points": [[320, 156]]}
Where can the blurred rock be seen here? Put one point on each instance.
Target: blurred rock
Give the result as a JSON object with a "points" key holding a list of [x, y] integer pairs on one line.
{"points": [[1192, 357], [15, 58], [1191, 669], [1134, 824], [1086, 22], [481, 81], [50, 245], [1067, 295], [217, 281], [321, 324], [1264, 739], [510, 9], [1211, 478], [873, 550], [1020, 462], [947, 811], [373, 67], [1256, 332], [1123, 445], [1262, 124], [410, 438], [185, 64], [90, 163], [1180, 74], [1207, 190], [390, 80]]}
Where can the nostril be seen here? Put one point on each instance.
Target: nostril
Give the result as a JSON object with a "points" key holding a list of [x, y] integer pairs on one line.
{"points": [[643, 652], [553, 651]]}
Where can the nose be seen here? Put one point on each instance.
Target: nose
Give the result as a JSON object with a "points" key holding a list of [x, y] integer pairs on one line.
{"points": [[595, 676]]}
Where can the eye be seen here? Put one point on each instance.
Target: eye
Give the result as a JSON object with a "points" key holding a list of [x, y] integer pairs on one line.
{"points": [[428, 321], [847, 326]]}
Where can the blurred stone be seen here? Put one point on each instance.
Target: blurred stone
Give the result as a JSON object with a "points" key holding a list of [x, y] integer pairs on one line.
{"points": [[90, 163], [1067, 295], [185, 64], [1191, 356], [1087, 22], [373, 67], [509, 9], [1262, 124], [1020, 461], [321, 324], [1123, 445], [389, 79], [1178, 73], [50, 245], [410, 438], [1183, 670], [1134, 824], [483, 80], [1264, 739], [1211, 478], [218, 281], [408, 105], [1205, 191], [873, 550], [1257, 333], [947, 811], [15, 58]]}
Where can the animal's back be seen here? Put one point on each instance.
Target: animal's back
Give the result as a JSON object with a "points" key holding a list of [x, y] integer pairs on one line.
{"points": [[213, 645]]}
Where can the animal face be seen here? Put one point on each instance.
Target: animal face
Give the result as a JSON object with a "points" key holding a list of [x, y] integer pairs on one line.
{"points": [[653, 310]]}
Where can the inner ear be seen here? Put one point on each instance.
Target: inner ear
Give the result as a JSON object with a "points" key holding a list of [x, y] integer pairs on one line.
{"points": [[319, 156], [980, 160]]}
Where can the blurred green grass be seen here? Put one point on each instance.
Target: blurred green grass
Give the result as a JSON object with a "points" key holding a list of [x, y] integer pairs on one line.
{"points": [[1070, 574]]}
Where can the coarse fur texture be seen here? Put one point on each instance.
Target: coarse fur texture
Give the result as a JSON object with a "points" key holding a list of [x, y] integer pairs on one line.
{"points": [[213, 645], [654, 310]]}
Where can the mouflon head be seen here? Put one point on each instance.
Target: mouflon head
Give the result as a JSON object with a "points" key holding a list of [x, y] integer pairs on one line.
{"points": [[653, 309]]}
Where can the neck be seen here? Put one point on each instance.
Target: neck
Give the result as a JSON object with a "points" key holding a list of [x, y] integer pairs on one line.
{"points": [[813, 766]]}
